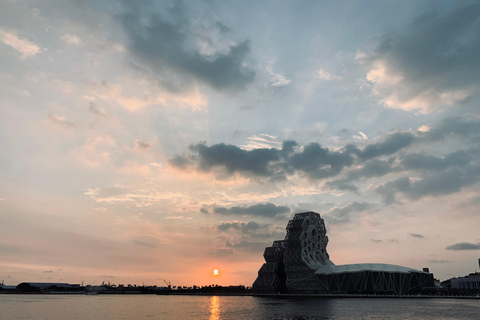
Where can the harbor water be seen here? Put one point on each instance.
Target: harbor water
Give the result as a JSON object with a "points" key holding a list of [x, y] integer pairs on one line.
{"points": [[105, 307]]}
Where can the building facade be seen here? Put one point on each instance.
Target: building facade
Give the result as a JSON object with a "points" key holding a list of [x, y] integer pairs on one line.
{"points": [[300, 264]]}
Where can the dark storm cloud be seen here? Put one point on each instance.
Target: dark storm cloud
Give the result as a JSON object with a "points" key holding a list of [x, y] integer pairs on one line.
{"points": [[389, 146], [342, 215], [235, 159], [167, 48], [436, 60], [265, 210], [464, 246]]}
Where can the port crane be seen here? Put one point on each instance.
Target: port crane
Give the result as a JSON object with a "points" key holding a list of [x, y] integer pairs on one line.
{"points": [[169, 285]]}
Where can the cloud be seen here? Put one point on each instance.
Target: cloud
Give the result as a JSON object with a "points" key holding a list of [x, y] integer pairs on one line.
{"points": [[373, 168], [72, 39], [440, 261], [96, 110], [242, 226], [235, 159], [277, 80], [168, 50], [142, 145], [392, 143], [415, 161], [266, 210], [26, 47], [324, 75], [464, 246], [466, 127], [416, 235], [443, 183], [342, 215], [55, 119], [318, 162], [433, 64], [247, 246], [262, 140], [313, 160], [428, 175]]}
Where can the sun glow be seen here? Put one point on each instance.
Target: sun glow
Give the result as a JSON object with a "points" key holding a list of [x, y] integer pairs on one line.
{"points": [[215, 272]]}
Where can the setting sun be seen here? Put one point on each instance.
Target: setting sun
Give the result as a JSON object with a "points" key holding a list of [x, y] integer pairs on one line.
{"points": [[215, 272]]}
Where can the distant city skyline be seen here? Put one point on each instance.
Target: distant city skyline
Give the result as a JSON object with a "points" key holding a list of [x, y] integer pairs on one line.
{"points": [[151, 141]]}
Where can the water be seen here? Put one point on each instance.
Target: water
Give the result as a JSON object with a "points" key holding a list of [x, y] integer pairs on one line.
{"points": [[105, 307]]}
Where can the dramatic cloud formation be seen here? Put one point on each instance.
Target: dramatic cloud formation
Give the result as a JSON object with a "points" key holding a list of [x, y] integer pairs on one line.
{"points": [[433, 64], [194, 130], [313, 161], [165, 49]]}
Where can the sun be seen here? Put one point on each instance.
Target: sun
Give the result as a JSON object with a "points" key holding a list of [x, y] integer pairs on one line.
{"points": [[215, 272]]}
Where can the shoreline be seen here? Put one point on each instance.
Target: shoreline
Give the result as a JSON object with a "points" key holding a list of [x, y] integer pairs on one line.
{"points": [[332, 296]]}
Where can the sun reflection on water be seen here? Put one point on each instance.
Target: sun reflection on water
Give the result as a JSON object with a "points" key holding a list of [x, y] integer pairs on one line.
{"points": [[214, 308]]}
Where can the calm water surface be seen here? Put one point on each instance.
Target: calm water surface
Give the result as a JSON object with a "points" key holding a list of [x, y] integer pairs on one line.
{"points": [[76, 307]]}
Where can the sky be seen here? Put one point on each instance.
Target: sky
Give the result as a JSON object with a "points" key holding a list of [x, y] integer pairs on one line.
{"points": [[152, 141]]}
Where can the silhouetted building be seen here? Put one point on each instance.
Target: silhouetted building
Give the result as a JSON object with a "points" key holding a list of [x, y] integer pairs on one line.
{"points": [[46, 287], [301, 264]]}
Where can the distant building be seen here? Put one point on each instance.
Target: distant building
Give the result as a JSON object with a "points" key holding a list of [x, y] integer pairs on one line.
{"points": [[470, 282], [45, 287], [300, 264], [7, 289]]}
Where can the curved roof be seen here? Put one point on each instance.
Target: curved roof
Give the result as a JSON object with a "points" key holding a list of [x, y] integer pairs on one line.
{"points": [[362, 267]]}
